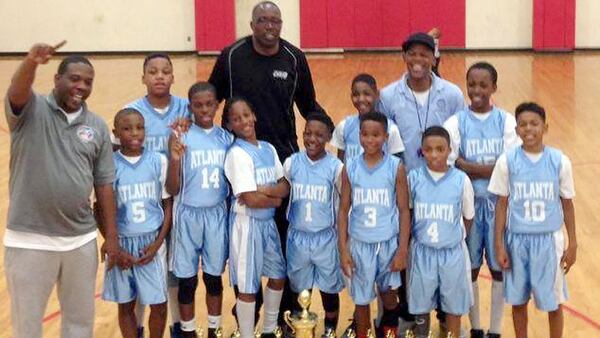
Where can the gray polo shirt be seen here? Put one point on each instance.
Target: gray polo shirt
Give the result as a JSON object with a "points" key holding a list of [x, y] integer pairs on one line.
{"points": [[54, 166]]}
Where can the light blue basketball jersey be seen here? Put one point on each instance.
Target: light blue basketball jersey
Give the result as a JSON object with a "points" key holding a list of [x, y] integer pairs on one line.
{"points": [[481, 142], [138, 193], [352, 137], [312, 192], [374, 216], [437, 207], [534, 204], [158, 125], [263, 157], [203, 182]]}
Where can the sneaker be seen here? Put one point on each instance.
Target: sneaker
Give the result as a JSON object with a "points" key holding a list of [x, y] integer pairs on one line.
{"points": [[492, 335], [140, 332], [329, 333], [176, 330], [349, 329], [404, 326], [477, 333]]}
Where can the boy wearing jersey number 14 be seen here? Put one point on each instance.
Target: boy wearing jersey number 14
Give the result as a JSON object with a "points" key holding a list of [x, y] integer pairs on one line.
{"points": [[374, 225], [534, 183], [442, 200]]}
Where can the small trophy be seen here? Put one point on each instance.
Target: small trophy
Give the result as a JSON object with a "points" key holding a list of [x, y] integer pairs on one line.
{"points": [[236, 333], [303, 326], [219, 332], [370, 334], [351, 333], [409, 334], [257, 333], [200, 332], [450, 335], [278, 332]]}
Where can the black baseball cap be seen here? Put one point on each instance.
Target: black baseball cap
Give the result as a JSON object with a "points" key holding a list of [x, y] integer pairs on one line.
{"points": [[420, 38]]}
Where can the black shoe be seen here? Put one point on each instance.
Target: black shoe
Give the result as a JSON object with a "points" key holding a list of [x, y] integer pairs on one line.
{"points": [[176, 330], [492, 335], [140, 332], [378, 330], [477, 334]]}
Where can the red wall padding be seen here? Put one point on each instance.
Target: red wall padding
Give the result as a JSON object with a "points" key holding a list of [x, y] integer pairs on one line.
{"points": [[215, 24], [554, 24], [378, 23]]}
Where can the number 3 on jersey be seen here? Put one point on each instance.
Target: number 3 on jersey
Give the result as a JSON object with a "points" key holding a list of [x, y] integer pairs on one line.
{"points": [[371, 221]]}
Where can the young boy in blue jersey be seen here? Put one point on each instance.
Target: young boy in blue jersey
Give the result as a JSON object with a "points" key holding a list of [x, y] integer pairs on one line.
{"points": [[197, 180], [314, 176], [160, 110], [256, 177], [535, 189], [374, 225], [478, 135], [346, 139], [442, 201], [143, 219]]}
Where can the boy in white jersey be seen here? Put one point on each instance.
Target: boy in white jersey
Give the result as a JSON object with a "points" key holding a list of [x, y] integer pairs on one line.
{"points": [[256, 176], [442, 201], [373, 225], [143, 219], [479, 134], [311, 251], [534, 183], [346, 139], [197, 180], [161, 110]]}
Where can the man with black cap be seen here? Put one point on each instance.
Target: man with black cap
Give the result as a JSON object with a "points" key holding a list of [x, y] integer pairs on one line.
{"points": [[420, 99], [417, 101]]}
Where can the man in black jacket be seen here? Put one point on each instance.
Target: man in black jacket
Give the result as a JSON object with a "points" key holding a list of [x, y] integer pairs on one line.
{"points": [[272, 74]]}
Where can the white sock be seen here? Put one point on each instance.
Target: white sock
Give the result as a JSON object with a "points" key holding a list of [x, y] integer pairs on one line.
{"points": [[188, 326], [474, 310], [140, 312], [272, 301], [173, 305], [214, 321], [245, 315], [497, 310]]}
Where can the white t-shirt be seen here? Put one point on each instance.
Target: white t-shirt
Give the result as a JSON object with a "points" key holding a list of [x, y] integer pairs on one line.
{"points": [[239, 169], [287, 166], [499, 182], [72, 116], [394, 142], [468, 196], [511, 139], [421, 97]]}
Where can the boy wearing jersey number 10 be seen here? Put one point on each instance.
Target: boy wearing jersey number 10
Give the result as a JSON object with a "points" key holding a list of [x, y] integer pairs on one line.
{"points": [[374, 225], [534, 183], [314, 176], [442, 201]]}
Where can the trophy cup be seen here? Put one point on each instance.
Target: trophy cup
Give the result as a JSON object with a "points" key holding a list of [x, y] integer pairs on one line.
{"points": [[303, 326]]}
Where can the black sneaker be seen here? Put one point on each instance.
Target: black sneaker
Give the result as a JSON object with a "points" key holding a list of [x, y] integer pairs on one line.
{"points": [[176, 330], [492, 335], [477, 333]]}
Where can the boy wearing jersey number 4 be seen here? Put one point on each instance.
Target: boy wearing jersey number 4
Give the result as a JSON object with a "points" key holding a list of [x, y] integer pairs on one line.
{"points": [[442, 200], [534, 183], [373, 225]]}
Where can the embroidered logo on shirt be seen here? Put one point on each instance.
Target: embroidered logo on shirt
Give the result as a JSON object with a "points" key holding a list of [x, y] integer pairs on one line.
{"points": [[85, 134], [280, 74], [441, 104]]}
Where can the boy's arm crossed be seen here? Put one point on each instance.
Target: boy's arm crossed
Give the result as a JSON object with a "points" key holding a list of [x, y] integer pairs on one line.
{"points": [[279, 190]]}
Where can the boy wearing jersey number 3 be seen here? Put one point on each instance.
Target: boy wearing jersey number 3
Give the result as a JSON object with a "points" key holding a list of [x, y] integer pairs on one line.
{"points": [[534, 183], [374, 225]]}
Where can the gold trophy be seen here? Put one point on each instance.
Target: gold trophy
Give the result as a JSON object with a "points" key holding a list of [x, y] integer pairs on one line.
{"points": [[303, 326]]}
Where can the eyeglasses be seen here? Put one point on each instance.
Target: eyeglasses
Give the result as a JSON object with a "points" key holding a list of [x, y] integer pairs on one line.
{"points": [[264, 20]]}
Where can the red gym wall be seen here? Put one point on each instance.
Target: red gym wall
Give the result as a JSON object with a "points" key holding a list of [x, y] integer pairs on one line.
{"points": [[215, 24], [554, 24], [378, 23]]}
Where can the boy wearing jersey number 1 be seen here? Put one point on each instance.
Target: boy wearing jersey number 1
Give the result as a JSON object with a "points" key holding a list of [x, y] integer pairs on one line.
{"points": [[534, 183], [143, 220], [374, 225], [439, 271], [314, 176], [197, 180]]}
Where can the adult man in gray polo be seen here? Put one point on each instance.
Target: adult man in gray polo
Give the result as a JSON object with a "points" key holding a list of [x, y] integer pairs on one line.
{"points": [[60, 151]]}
